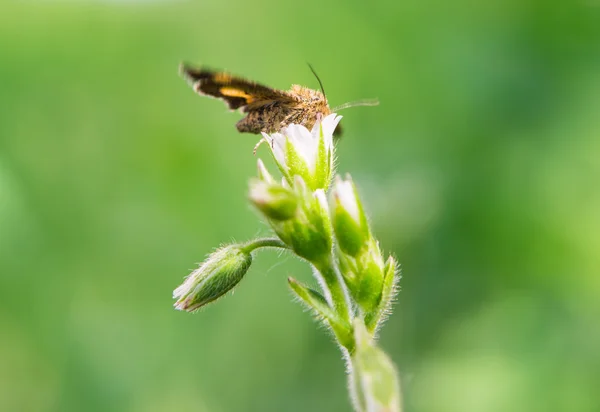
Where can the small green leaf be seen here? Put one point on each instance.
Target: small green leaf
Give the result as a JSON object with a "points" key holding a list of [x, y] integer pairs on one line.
{"points": [[320, 307]]}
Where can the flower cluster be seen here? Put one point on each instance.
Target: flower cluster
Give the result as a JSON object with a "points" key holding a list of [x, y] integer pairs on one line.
{"points": [[297, 207], [325, 224]]}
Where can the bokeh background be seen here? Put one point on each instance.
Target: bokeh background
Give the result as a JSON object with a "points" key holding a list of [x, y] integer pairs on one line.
{"points": [[480, 170]]}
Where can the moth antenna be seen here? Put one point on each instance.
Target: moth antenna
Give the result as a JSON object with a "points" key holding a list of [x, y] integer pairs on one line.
{"points": [[318, 79], [363, 102]]}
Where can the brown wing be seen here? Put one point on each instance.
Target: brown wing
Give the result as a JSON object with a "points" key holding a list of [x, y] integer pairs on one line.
{"points": [[238, 93]]}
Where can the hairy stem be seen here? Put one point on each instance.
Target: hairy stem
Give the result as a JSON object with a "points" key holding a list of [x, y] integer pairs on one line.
{"points": [[254, 244], [336, 287]]}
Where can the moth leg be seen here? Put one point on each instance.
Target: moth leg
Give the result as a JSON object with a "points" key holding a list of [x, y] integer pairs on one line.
{"points": [[261, 141]]}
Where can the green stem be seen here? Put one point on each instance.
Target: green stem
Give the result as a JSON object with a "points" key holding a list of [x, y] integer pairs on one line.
{"points": [[337, 289], [254, 244]]}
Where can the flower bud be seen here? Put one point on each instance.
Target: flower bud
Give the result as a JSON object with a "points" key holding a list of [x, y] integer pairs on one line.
{"points": [[348, 218], [364, 276], [310, 232], [361, 262], [216, 276], [274, 201], [389, 290]]}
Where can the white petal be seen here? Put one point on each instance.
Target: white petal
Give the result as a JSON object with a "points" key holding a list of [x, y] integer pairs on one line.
{"points": [[259, 192], [263, 173], [329, 124], [299, 184], [296, 132], [345, 194], [304, 143], [322, 200], [277, 143]]}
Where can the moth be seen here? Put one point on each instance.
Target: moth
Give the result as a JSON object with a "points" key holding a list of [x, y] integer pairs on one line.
{"points": [[267, 110]]}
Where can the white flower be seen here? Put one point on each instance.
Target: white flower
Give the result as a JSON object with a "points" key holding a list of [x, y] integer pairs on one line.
{"points": [[308, 154]]}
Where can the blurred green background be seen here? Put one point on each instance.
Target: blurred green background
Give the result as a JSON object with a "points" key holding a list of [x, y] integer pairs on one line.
{"points": [[480, 170]]}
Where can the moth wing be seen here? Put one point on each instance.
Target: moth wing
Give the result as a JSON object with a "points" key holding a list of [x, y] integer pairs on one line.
{"points": [[238, 93]]}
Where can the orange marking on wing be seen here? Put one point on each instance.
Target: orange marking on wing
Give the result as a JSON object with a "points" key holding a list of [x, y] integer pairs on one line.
{"points": [[222, 78], [232, 92]]}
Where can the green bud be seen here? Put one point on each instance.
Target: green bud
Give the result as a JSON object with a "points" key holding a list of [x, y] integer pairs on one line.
{"points": [[348, 218], [310, 231], [377, 316], [216, 276], [274, 201], [374, 385], [360, 259], [370, 278], [364, 276]]}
